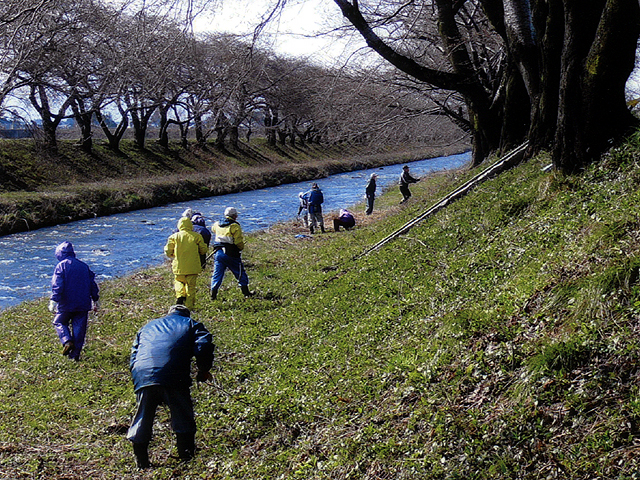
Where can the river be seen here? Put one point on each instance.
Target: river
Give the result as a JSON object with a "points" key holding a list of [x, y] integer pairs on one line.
{"points": [[120, 244]]}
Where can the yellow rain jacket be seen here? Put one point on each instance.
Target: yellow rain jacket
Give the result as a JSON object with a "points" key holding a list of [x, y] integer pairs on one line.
{"points": [[228, 235], [185, 248]]}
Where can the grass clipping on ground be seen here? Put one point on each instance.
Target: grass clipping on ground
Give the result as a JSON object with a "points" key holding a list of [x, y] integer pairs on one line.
{"points": [[497, 339]]}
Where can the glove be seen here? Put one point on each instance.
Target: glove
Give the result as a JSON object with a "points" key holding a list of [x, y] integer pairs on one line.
{"points": [[188, 213], [95, 305], [53, 306], [203, 376]]}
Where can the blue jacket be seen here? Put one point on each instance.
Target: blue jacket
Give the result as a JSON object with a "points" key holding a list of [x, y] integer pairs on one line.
{"points": [[162, 350], [73, 284], [315, 200], [199, 226]]}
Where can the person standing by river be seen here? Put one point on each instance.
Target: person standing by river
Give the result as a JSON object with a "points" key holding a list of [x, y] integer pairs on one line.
{"points": [[370, 192], [185, 249], [73, 293], [227, 245], [316, 199], [303, 208], [405, 180]]}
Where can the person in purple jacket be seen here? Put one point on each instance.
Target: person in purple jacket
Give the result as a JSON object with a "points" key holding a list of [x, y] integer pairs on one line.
{"points": [[74, 293], [199, 226]]}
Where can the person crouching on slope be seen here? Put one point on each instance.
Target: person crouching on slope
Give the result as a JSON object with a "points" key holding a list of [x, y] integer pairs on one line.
{"points": [[227, 245], [185, 248], [73, 293], [160, 366]]}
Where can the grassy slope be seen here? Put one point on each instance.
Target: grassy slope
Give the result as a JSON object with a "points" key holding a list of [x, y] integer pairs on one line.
{"points": [[498, 339]]}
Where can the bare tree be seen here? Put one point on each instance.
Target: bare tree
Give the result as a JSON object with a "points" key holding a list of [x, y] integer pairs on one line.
{"points": [[495, 53], [20, 20], [48, 49]]}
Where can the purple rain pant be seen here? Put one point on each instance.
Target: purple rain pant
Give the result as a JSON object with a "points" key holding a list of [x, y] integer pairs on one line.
{"points": [[76, 334], [147, 401]]}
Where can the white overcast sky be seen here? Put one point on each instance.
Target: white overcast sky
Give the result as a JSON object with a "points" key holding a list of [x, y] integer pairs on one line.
{"points": [[301, 29]]}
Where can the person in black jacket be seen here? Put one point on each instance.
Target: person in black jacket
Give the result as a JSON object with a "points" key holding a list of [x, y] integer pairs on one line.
{"points": [[160, 367], [370, 191], [405, 180]]}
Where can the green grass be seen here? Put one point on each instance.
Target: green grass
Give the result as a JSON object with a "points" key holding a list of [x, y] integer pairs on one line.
{"points": [[496, 340]]}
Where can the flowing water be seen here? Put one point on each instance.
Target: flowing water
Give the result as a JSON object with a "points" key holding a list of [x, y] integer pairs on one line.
{"points": [[119, 244]]}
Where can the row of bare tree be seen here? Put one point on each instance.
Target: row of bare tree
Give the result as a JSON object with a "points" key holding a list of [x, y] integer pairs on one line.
{"points": [[552, 72], [97, 62]]}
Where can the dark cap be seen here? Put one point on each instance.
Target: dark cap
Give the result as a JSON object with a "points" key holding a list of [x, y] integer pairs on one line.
{"points": [[180, 310]]}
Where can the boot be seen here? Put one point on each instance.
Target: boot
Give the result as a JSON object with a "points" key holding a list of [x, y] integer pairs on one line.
{"points": [[180, 300], [140, 450], [245, 291], [322, 229], [186, 444], [214, 293], [67, 348], [311, 230]]}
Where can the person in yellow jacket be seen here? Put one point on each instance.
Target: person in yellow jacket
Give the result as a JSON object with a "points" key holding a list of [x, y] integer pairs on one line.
{"points": [[185, 247], [227, 245]]}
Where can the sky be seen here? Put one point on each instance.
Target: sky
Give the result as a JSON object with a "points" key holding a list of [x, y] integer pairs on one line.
{"points": [[297, 32]]}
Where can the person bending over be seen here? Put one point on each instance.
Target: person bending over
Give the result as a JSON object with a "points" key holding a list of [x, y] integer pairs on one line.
{"points": [[160, 366]]}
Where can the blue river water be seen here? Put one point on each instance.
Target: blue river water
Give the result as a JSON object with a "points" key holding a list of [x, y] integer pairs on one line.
{"points": [[120, 244]]}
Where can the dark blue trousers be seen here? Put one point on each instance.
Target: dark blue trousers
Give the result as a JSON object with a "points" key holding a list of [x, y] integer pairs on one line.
{"points": [[147, 401]]}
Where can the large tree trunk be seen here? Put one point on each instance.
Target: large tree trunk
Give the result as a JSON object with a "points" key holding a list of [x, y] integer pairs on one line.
{"points": [[548, 18], [140, 119], [270, 122], [139, 130], [234, 136], [561, 79], [115, 137], [163, 133], [184, 134], [83, 119], [221, 135], [282, 136], [50, 121], [598, 57], [199, 129]]}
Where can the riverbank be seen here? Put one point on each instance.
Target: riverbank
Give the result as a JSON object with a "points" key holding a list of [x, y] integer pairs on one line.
{"points": [[39, 191], [496, 340], [99, 241]]}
